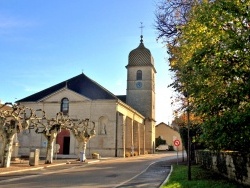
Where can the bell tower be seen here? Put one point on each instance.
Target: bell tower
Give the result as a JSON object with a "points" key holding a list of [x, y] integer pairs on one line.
{"points": [[141, 88], [141, 81]]}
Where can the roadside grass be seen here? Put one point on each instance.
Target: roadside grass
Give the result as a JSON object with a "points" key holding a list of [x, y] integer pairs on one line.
{"points": [[201, 178]]}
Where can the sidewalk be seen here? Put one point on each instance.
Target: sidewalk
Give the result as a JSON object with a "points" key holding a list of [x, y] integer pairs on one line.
{"points": [[23, 165]]}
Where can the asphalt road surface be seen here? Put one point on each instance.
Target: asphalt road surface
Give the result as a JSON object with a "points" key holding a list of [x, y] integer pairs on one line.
{"points": [[142, 171]]}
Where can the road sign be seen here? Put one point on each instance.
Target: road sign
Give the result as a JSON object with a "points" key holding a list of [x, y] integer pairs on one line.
{"points": [[177, 142]]}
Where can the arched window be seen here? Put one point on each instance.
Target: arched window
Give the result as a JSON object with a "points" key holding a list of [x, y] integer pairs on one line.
{"points": [[139, 75], [65, 106]]}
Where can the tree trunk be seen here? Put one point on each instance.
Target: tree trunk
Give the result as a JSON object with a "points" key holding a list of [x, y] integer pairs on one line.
{"points": [[1, 145], [80, 146], [50, 147], [84, 146], [2, 148], [7, 149]]}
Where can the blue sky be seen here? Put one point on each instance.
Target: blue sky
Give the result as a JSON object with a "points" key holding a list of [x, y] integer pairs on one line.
{"points": [[44, 42]]}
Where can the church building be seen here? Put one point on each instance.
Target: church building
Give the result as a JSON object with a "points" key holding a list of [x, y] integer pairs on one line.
{"points": [[124, 124]]}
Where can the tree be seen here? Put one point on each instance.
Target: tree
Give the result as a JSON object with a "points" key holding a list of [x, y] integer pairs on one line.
{"points": [[210, 60], [50, 128], [159, 141], [195, 131], [13, 120], [82, 135], [171, 15]]}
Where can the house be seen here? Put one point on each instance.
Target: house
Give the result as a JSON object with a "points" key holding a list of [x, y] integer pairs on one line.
{"points": [[169, 134]]}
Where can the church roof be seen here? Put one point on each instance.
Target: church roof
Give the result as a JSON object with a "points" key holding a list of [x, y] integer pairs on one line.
{"points": [[122, 97], [141, 56], [80, 84]]}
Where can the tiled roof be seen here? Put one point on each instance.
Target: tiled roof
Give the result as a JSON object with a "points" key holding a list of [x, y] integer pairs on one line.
{"points": [[80, 84], [140, 56]]}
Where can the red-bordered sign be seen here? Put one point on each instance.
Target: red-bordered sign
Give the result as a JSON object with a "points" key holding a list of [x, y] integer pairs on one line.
{"points": [[177, 142]]}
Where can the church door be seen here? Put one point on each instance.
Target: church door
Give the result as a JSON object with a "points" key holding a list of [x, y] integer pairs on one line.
{"points": [[63, 139], [66, 145]]}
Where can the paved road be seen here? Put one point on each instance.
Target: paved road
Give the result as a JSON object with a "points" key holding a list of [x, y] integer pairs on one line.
{"points": [[143, 171], [152, 177]]}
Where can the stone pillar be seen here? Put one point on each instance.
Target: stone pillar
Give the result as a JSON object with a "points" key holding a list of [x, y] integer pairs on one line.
{"points": [[129, 135], [136, 140], [123, 124], [142, 139], [121, 137], [150, 135]]}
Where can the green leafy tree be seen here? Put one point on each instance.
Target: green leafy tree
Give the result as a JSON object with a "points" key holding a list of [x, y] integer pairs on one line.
{"points": [[159, 141], [195, 131], [210, 59]]}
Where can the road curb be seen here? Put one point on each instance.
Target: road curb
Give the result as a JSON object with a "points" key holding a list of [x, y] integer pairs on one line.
{"points": [[21, 170], [165, 181], [46, 166]]}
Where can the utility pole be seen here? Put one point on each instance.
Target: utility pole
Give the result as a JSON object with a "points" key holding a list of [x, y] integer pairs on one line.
{"points": [[189, 144]]}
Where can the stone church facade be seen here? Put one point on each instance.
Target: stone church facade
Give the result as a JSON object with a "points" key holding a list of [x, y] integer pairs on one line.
{"points": [[124, 124]]}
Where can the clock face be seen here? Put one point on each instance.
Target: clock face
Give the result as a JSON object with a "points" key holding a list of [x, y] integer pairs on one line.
{"points": [[138, 84]]}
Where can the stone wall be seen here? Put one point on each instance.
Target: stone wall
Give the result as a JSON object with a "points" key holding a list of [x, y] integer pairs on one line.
{"points": [[233, 165], [118, 126]]}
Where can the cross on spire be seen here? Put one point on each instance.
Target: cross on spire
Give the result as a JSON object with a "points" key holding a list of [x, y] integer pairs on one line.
{"points": [[141, 32], [141, 27]]}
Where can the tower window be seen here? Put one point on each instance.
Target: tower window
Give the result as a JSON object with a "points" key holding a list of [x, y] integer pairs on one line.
{"points": [[139, 75], [65, 106]]}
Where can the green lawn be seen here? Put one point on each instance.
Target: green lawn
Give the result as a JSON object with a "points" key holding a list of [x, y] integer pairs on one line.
{"points": [[200, 179]]}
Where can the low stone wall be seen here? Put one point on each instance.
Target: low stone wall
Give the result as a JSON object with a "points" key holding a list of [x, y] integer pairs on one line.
{"points": [[233, 165]]}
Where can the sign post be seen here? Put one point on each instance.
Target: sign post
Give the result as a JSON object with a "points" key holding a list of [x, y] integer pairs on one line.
{"points": [[177, 143]]}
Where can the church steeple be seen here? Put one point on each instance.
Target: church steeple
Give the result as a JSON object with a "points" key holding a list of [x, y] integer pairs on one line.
{"points": [[141, 80], [141, 89], [141, 56]]}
